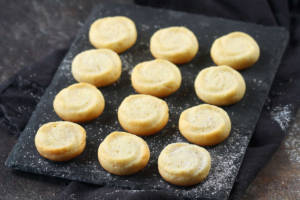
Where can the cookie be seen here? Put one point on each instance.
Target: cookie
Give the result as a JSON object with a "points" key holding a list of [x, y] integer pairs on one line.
{"points": [[176, 44], [204, 124], [116, 33], [79, 102], [184, 164], [237, 49], [123, 153], [99, 67], [142, 114], [220, 85], [156, 77], [60, 141]]}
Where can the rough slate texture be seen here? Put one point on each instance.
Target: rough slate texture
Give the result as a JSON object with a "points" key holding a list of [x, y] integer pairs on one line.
{"points": [[226, 157]]}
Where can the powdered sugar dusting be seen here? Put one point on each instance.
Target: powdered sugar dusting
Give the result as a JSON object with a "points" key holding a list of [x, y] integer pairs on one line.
{"points": [[145, 27], [127, 62], [282, 115], [292, 141]]}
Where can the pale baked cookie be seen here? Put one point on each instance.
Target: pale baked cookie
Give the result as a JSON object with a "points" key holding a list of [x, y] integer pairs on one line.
{"points": [[142, 114], [156, 77], [79, 102], [220, 85], [205, 124], [184, 164], [176, 44], [60, 141], [99, 67], [238, 50], [123, 153], [116, 33]]}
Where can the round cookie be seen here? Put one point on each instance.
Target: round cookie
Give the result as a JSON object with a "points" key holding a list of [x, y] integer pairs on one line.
{"points": [[123, 153], [60, 141], [79, 102], [205, 124], [99, 67], [142, 114], [184, 164], [220, 85], [237, 49], [156, 77], [176, 44], [117, 33]]}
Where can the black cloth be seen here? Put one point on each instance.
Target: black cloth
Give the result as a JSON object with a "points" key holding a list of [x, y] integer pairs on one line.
{"points": [[19, 95]]}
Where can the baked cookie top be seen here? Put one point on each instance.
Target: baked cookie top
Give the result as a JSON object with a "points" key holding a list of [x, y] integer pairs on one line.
{"points": [[123, 153], [184, 164], [177, 44], [117, 33], [143, 114], [205, 124], [60, 141], [156, 77], [99, 67], [220, 85], [237, 49], [79, 102]]}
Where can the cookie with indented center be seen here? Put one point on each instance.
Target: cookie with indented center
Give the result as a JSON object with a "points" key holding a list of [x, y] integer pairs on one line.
{"points": [[204, 124], [237, 50], [156, 77], [220, 85], [177, 44], [99, 67], [60, 141], [184, 164], [142, 114], [79, 102], [116, 33], [123, 153]]}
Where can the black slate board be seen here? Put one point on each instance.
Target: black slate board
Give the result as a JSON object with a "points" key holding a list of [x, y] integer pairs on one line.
{"points": [[226, 157]]}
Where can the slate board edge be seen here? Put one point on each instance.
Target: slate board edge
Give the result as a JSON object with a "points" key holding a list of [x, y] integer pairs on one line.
{"points": [[280, 55], [14, 165], [9, 161]]}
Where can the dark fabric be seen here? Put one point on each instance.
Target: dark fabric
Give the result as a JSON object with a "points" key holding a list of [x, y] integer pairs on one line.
{"points": [[21, 93], [18, 98]]}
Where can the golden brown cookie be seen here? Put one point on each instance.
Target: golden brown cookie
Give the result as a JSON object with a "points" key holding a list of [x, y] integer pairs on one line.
{"points": [[184, 164], [142, 114], [123, 153], [156, 77], [176, 44], [60, 141], [79, 102], [117, 33], [205, 124], [99, 67], [220, 85], [237, 49]]}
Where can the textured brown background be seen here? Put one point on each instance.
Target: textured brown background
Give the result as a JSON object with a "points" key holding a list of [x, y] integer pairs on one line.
{"points": [[30, 30]]}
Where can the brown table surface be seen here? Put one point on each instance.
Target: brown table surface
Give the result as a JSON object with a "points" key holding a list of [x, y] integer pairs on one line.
{"points": [[30, 30]]}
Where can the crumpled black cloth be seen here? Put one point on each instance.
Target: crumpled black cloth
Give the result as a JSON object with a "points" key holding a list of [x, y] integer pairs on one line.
{"points": [[20, 94]]}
